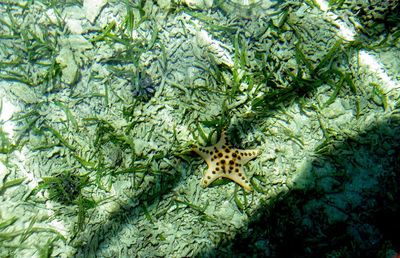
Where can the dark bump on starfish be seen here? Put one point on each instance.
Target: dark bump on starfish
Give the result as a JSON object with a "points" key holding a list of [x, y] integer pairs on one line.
{"points": [[227, 156], [222, 161], [243, 178], [217, 163], [214, 172], [245, 154], [217, 169], [254, 153], [205, 181], [234, 155], [238, 158], [240, 174], [231, 162], [215, 156], [236, 170], [220, 155], [209, 177]]}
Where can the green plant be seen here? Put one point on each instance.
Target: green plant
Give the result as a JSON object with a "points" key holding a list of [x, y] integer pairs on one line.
{"points": [[31, 49]]}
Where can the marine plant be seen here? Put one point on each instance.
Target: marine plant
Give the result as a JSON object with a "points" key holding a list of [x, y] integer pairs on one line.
{"points": [[31, 48]]}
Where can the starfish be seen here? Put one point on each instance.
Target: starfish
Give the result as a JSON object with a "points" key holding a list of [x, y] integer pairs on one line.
{"points": [[225, 161]]}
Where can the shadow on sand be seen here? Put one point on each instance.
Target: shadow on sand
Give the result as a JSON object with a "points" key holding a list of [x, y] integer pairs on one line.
{"points": [[347, 205]]}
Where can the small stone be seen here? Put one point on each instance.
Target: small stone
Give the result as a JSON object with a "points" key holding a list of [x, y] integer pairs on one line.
{"points": [[70, 70], [164, 4], [92, 8], [199, 4], [74, 26], [24, 93]]}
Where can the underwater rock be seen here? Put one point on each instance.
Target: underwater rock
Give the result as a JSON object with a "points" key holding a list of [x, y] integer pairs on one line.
{"points": [[74, 26], [76, 43], [70, 70], [164, 4], [198, 4], [92, 8], [246, 8], [214, 48], [24, 93]]}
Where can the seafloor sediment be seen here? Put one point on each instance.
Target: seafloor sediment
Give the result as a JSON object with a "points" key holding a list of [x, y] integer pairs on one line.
{"points": [[101, 102]]}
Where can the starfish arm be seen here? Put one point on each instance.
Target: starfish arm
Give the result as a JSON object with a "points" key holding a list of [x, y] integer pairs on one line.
{"points": [[246, 155], [240, 178], [222, 141], [209, 176], [204, 152]]}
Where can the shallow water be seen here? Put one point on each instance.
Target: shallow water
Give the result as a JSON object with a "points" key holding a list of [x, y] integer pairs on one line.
{"points": [[102, 103]]}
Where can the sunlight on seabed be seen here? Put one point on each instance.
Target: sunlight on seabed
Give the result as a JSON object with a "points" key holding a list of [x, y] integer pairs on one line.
{"points": [[345, 32], [369, 60], [366, 59], [6, 112], [7, 127]]}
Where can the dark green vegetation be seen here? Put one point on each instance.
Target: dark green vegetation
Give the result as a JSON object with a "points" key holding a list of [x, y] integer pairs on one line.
{"points": [[30, 48]]}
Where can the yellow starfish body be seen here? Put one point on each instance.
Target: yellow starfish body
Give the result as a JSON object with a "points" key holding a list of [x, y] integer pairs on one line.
{"points": [[225, 161]]}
